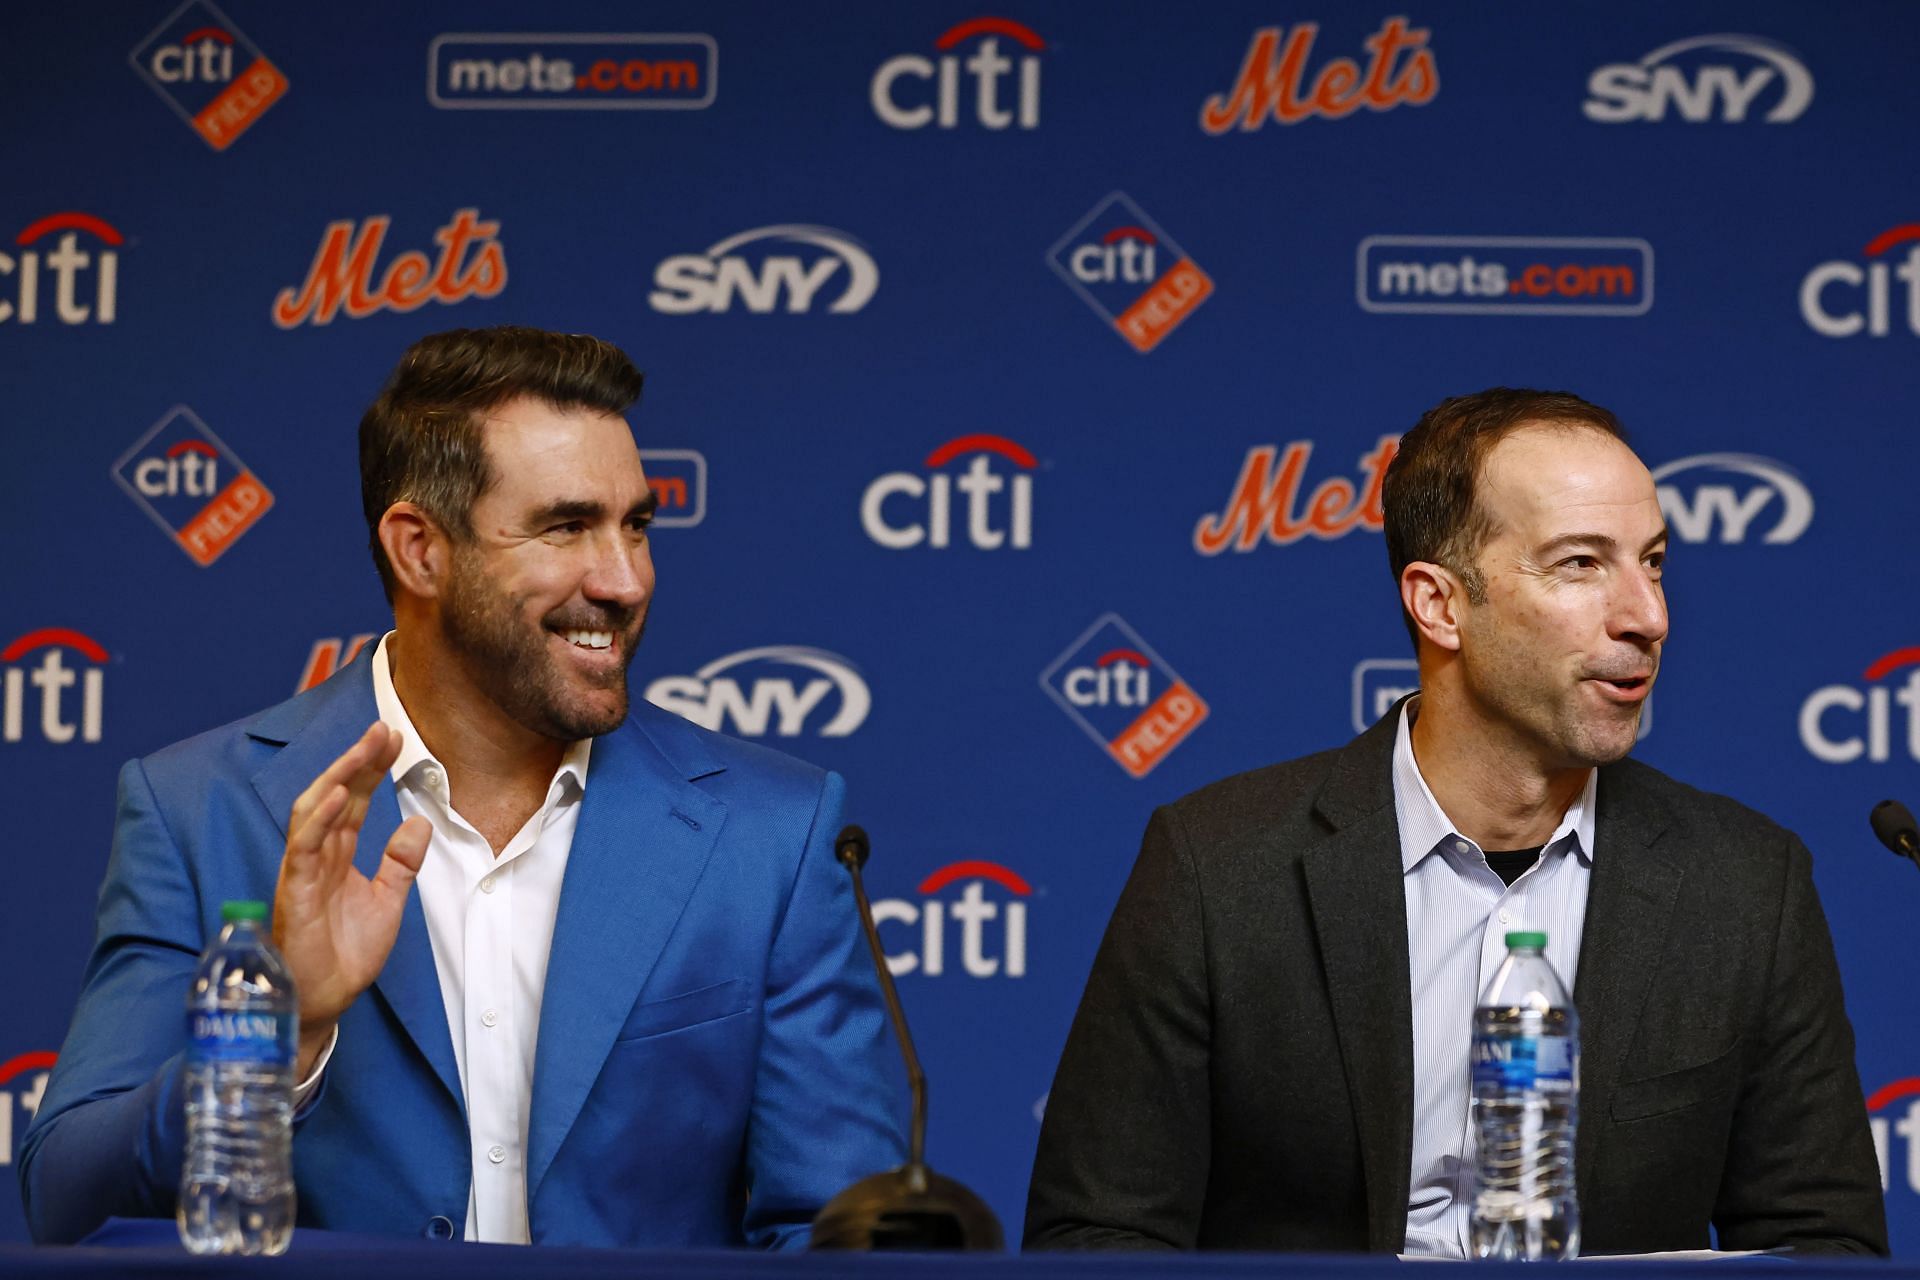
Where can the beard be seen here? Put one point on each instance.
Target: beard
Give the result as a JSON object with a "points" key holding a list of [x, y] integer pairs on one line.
{"points": [[509, 660]]}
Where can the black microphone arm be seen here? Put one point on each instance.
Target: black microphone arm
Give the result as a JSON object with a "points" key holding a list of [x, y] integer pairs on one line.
{"points": [[1893, 823], [852, 850]]}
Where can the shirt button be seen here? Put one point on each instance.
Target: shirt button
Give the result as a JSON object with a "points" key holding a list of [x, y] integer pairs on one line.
{"points": [[432, 775], [1459, 846], [496, 1153], [486, 884], [1506, 917], [488, 1018]]}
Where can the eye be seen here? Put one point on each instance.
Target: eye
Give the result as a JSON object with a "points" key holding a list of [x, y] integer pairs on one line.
{"points": [[1657, 562], [568, 528], [1580, 562]]}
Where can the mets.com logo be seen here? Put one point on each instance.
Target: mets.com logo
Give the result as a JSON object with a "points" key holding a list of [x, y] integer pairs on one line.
{"points": [[1130, 272], [1504, 275], [1123, 695], [972, 914], [516, 71], [23, 1081], [192, 486], [783, 690], [207, 70]]}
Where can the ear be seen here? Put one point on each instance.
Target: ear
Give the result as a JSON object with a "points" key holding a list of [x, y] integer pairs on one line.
{"points": [[1433, 597], [417, 548]]}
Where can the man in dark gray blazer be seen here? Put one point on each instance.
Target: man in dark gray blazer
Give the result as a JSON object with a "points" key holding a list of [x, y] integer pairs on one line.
{"points": [[1271, 1050]]}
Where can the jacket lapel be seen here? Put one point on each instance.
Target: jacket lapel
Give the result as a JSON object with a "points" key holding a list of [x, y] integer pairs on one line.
{"points": [[1360, 915], [313, 732], [642, 841]]}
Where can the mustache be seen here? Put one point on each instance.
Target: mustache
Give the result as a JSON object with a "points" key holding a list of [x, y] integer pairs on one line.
{"points": [[1638, 668], [593, 618]]}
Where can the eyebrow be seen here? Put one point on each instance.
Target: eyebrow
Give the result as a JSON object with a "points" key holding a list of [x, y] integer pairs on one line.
{"points": [[586, 509], [1601, 541]]}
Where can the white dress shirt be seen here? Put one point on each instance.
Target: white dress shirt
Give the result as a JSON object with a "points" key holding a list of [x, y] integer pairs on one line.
{"points": [[1458, 915], [491, 925]]}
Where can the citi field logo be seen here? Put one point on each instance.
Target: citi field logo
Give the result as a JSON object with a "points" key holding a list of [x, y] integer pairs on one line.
{"points": [[23, 1081], [207, 70], [484, 71], [1504, 275], [1894, 1110], [904, 509], [192, 486], [973, 916], [678, 479], [1264, 505], [1379, 683], [741, 268], [39, 658], [1702, 78], [1725, 509], [912, 92], [1123, 695], [1272, 85], [1830, 296], [1843, 723], [471, 263], [783, 690], [76, 298], [1130, 272], [328, 656]]}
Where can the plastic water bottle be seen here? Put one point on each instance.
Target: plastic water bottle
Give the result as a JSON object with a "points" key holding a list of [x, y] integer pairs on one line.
{"points": [[1526, 1104], [236, 1189]]}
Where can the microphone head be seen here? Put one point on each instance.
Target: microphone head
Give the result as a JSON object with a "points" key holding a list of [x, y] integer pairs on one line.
{"points": [[1893, 823], [851, 847]]}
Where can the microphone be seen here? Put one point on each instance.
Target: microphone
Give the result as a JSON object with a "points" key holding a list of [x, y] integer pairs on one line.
{"points": [[910, 1207], [1893, 823]]}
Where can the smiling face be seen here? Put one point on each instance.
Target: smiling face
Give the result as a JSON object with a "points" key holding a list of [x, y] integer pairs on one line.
{"points": [[1560, 652], [544, 606]]}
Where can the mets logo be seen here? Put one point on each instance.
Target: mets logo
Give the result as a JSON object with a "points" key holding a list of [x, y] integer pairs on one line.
{"points": [[191, 485], [207, 70], [1130, 272], [1123, 695]]}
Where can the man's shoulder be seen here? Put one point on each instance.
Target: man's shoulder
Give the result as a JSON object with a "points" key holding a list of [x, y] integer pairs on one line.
{"points": [[241, 745], [1706, 820], [1258, 802]]}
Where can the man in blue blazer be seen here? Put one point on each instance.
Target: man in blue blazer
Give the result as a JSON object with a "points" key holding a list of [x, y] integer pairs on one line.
{"points": [[627, 1004]]}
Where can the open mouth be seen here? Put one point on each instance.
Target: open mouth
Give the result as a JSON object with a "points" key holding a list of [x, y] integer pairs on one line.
{"points": [[591, 641]]}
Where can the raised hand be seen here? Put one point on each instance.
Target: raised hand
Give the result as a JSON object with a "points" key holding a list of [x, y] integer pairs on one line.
{"points": [[334, 925]]}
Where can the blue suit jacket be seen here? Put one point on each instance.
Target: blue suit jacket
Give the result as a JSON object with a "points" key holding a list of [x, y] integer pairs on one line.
{"points": [[712, 1063]]}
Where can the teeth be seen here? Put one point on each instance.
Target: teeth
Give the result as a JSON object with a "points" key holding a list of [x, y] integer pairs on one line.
{"points": [[589, 639]]}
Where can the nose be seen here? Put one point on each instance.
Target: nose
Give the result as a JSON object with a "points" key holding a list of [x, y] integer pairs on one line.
{"points": [[621, 572], [1639, 610]]}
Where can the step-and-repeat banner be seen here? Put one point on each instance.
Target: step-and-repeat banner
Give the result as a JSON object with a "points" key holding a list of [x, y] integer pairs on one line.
{"points": [[1019, 386]]}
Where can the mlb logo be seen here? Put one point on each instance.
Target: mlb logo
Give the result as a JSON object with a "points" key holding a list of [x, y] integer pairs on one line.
{"points": [[1123, 695], [678, 479], [192, 485], [213, 77], [1130, 272]]}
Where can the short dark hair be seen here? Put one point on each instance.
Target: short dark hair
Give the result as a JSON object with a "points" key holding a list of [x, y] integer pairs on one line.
{"points": [[420, 441], [1431, 491]]}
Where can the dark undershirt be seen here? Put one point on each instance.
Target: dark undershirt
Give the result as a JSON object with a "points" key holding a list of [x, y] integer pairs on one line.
{"points": [[1511, 866]]}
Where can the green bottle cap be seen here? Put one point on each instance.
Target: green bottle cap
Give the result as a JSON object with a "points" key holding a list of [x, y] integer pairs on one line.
{"points": [[1537, 941], [242, 909]]}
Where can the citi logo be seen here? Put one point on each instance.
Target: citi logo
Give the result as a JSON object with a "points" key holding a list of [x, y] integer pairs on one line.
{"points": [[1264, 504], [1842, 723], [1272, 84], [1130, 272], [212, 76], [23, 1081], [1894, 1110], [328, 656], [784, 690], [1719, 511], [52, 678], [971, 912], [1123, 695], [1710, 88], [471, 263], [192, 485], [76, 298], [902, 509], [1830, 299], [912, 92], [692, 282]]}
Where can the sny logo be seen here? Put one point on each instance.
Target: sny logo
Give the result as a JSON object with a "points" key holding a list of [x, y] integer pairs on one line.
{"points": [[972, 913], [1378, 683], [213, 77], [1123, 695], [690, 282], [1128, 270], [191, 485], [1628, 91], [329, 656], [776, 703], [678, 479], [52, 677], [1723, 507], [1262, 504], [1875, 276], [986, 66], [512, 72], [1876, 702], [1272, 83], [67, 262], [933, 522], [23, 1081], [1504, 275], [342, 271]]}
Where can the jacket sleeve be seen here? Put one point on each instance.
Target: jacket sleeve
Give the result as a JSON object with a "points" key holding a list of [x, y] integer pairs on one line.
{"points": [[826, 1096], [1126, 1143], [1801, 1170]]}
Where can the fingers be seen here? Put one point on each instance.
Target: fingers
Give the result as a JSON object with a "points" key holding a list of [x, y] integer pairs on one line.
{"points": [[377, 742], [306, 839], [406, 852]]}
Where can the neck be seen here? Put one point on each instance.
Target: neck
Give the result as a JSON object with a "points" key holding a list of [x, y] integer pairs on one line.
{"points": [[485, 752], [1496, 795]]}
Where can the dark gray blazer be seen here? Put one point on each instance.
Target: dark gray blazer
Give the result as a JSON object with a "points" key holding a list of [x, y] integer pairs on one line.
{"points": [[1239, 1074]]}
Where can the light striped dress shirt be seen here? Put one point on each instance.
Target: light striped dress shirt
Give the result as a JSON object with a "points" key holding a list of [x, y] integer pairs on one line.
{"points": [[1458, 915]]}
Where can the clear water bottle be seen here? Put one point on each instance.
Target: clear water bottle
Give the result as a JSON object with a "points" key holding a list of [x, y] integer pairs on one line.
{"points": [[236, 1189], [1526, 1104]]}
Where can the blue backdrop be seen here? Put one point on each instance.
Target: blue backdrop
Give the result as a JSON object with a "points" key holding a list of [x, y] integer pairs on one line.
{"points": [[1018, 382]]}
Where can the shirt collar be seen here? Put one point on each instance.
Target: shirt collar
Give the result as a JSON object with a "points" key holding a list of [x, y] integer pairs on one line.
{"points": [[1424, 825], [416, 765]]}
